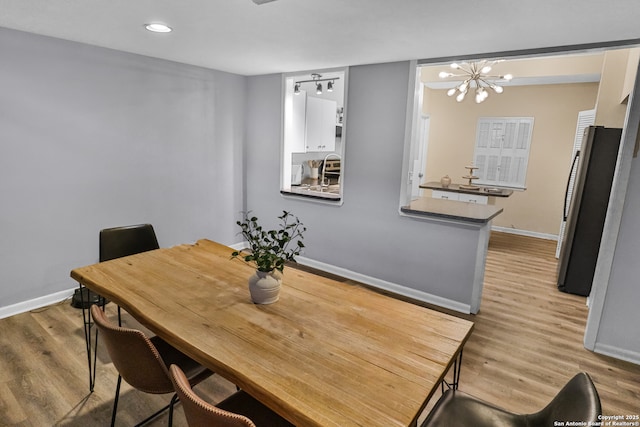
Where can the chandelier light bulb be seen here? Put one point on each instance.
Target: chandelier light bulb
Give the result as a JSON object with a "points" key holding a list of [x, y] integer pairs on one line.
{"points": [[444, 74], [497, 89], [507, 76], [481, 95], [485, 69], [452, 91], [455, 66], [460, 97]]}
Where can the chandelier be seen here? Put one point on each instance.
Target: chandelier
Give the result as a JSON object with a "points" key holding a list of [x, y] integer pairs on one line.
{"points": [[474, 75]]}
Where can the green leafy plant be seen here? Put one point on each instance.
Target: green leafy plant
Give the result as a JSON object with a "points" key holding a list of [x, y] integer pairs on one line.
{"points": [[270, 249]]}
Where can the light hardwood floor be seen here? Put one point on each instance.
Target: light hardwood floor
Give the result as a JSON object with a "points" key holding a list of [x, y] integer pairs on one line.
{"points": [[526, 344]]}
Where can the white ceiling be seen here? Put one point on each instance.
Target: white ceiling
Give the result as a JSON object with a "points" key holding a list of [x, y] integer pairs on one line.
{"points": [[241, 37]]}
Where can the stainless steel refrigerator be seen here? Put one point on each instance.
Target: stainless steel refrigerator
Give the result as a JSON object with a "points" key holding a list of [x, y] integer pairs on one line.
{"points": [[585, 214]]}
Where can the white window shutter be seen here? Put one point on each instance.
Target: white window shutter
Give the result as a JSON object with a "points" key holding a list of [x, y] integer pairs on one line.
{"points": [[502, 150], [483, 134]]}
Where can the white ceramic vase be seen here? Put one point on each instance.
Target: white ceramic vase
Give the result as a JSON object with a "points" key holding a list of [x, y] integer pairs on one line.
{"points": [[264, 287]]}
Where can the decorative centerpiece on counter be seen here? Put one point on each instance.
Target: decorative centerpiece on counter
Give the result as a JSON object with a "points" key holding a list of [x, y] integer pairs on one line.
{"points": [[269, 250], [470, 176]]}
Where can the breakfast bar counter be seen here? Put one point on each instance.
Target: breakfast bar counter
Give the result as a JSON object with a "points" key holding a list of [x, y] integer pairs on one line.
{"points": [[457, 188], [452, 210], [471, 222]]}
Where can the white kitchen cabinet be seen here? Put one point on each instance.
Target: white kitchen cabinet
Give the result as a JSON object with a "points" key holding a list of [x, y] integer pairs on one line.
{"points": [[320, 124], [473, 198], [297, 138], [447, 195], [460, 197]]}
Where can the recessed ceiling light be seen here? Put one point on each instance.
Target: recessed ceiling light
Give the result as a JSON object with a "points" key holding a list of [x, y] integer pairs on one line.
{"points": [[158, 28]]}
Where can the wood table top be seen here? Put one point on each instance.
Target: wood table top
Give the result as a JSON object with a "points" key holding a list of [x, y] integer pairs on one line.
{"points": [[327, 353]]}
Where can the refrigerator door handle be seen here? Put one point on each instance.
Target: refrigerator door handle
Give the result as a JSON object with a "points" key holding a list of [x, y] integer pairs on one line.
{"points": [[566, 193]]}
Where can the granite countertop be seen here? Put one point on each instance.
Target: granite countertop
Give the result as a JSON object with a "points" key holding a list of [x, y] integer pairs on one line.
{"points": [[455, 188], [452, 210]]}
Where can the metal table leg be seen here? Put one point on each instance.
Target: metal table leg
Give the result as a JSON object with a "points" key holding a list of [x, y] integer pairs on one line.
{"points": [[91, 345], [457, 365]]}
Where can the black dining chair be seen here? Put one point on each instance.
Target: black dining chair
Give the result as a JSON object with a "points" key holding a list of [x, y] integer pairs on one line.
{"points": [[115, 242], [577, 401], [118, 242]]}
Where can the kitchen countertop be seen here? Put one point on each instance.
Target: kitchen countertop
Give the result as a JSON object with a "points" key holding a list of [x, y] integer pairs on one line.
{"points": [[331, 192], [455, 188], [452, 210]]}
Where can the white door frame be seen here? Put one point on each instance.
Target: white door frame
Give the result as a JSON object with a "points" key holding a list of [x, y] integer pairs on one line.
{"points": [[420, 161]]}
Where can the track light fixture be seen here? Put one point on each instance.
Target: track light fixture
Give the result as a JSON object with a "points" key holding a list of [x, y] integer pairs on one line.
{"points": [[475, 74], [316, 79]]}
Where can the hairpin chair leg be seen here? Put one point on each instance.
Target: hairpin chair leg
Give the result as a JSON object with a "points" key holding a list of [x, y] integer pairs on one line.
{"points": [[170, 406], [115, 402]]}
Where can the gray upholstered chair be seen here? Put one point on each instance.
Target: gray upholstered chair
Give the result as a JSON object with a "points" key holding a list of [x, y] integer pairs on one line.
{"points": [[238, 410], [144, 362], [577, 401]]}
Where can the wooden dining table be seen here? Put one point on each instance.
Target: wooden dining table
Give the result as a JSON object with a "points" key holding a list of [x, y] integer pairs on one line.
{"points": [[327, 353]]}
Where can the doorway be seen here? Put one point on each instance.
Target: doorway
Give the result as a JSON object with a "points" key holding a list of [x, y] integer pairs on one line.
{"points": [[551, 91], [622, 117]]}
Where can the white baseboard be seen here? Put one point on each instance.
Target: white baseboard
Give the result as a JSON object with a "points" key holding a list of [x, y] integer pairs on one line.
{"points": [[387, 286], [395, 288], [545, 236], [239, 246], [378, 283], [618, 353], [21, 307]]}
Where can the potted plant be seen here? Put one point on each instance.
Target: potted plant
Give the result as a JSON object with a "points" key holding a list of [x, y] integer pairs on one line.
{"points": [[268, 251]]}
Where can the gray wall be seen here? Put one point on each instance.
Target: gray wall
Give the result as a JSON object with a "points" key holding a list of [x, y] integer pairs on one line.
{"points": [[364, 235], [93, 138], [367, 236], [618, 332]]}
